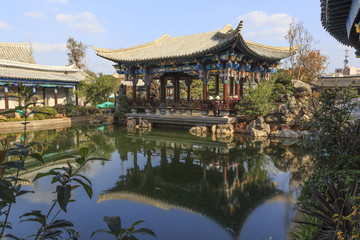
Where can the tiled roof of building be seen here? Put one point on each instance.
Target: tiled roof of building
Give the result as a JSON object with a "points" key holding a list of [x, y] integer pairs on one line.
{"points": [[15, 52], [191, 45], [29, 71], [341, 82]]}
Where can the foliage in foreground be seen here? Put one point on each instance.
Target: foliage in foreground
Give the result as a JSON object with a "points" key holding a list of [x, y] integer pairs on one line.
{"points": [[334, 141], [115, 229], [337, 213], [67, 179]]}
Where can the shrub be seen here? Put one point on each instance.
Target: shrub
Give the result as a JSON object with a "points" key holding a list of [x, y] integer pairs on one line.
{"points": [[44, 113], [259, 101], [68, 109], [60, 108]]}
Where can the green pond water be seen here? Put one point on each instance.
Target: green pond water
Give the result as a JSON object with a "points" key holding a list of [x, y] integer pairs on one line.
{"points": [[182, 186]]}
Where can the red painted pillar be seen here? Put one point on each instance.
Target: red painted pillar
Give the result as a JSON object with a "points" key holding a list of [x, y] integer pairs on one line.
{"points": [[225, 91], [204, 91], [241, 95], [237, 86], [231, 86], [6, 94], [56, 96], [148, 93], [44, 96]]}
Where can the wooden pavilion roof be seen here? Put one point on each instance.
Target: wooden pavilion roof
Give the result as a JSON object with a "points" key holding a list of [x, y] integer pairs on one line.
{"points": [[28, 71], [341, 82], [334, 17], [15, 52], [194, 45]]}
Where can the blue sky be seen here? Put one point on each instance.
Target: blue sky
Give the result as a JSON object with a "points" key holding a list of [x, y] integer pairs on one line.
{"points": [[119, 24]]}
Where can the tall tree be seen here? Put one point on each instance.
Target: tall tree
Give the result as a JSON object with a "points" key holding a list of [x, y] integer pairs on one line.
{"points": [[76, 52], [308, 62], [97, 89]]}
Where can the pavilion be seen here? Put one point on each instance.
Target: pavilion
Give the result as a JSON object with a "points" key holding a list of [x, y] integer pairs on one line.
{"points": [[221, 56], [55, 84]]}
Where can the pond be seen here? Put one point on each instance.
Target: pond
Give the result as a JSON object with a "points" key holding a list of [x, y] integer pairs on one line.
{"points": [[182, 186]]}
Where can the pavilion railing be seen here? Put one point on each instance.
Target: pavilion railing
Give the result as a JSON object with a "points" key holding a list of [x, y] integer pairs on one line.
{"points": [[184, 104]]}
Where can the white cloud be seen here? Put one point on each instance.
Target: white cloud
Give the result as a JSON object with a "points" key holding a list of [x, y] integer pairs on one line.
{"points": [[259, 25], [4, 25], [35, 14], [46, 47], [57, 1], [85, 21]]}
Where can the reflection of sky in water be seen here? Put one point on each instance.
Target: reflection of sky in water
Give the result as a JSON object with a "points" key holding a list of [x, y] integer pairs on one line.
{"points": [[268, 219]]}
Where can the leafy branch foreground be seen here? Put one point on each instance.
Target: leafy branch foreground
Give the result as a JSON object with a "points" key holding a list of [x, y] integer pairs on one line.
{"points": [[67, 179]]}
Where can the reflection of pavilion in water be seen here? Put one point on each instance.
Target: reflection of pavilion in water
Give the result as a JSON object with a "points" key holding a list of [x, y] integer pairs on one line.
{"points": [[222, 181]]}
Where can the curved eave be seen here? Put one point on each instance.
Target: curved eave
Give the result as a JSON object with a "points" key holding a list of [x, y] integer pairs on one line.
{"points": [[334, 16], [263, 52]]}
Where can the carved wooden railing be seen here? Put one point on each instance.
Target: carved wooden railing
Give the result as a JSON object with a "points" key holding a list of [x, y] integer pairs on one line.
{"points": [[184, 104]]}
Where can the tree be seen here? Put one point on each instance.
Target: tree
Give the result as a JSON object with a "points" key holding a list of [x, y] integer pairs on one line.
{"points": [[258, 101], [308, 62], [76, 52], [97, 90]]}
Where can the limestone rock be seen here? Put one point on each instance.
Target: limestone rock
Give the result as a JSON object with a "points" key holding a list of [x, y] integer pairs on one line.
{"points": [[258, 128], [285, 133], [301, 89], [213, 129], [131, 123]]}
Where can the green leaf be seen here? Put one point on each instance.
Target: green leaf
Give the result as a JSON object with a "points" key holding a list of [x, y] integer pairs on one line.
{"points": [[143, 231], [22, 192], [41, 175], [84, 152], [6, 193], [38, 157], [10, 236], [136, 223], [52, 234], [82, 176], [87, 188], [61, 223], [16, 165], [63, 195], [114, 224], [99, 231]]}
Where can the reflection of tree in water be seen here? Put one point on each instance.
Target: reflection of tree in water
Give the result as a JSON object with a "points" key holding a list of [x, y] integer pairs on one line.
{"points": [[224, 182]]}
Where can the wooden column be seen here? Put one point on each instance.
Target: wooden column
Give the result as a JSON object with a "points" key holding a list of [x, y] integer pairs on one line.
{"points": [[241, 93], [34, 98], [231, 86], [188, 85], [19, 101], [204, 91], [162, 90], [44, 96], [134, 93], [76, 97], [6, 94], [148, 93], [217, 86], [237, 86], [225, 91], [56, 96]]}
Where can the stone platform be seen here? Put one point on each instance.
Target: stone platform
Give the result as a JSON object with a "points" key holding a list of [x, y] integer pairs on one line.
{"points": [[182, 120]]}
